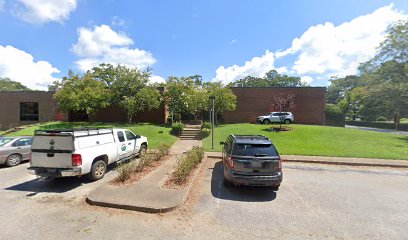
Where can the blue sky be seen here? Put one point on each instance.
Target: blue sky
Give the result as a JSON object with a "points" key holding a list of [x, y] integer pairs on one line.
{"points": [[220, 40]]}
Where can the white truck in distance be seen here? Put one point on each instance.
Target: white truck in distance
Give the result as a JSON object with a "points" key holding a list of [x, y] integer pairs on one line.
{"points": [[76, 152]]}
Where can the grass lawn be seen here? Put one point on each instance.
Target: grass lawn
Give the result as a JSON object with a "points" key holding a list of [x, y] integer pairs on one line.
{"points": [[156, 134], [321, 141]]}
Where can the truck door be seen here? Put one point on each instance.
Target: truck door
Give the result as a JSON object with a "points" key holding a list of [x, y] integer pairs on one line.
{"points": [[122, 147], [131, 143], [23, 147]]}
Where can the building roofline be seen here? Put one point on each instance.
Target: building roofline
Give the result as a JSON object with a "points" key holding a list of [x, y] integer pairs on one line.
{"points": [[26, 91]]}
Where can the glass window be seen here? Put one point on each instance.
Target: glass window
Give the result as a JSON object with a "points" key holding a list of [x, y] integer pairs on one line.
{"points": [[121, 136], [23, 142], [275, 114], [29, 111], [254, 150], [129, 135], [4, 140]]}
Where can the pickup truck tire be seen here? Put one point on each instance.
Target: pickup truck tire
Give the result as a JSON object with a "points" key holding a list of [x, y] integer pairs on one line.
{"points": [[287, 121], [98, 170], [266, 121], [143, 149], [13, 160]]}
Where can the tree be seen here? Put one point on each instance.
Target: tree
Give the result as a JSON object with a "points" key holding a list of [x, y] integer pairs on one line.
{"points": [[340, 86], [145, 99], [284, 103], [225, 100], [271, 79], [82, 93], [8, 85]]}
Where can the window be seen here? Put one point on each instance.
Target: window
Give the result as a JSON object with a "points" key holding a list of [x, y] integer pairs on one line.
{"points": [[121, 136], [254, 150], [22, 142], [130, 135], [29, 111]]}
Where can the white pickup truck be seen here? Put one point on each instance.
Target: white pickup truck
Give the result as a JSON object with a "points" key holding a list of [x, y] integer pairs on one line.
{"points": [[76, 152]]}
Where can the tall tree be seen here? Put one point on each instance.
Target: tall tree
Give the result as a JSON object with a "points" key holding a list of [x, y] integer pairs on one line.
{"points": [[82, 93], [225, 100], [271, 79], [145, 99], [8, 85]]}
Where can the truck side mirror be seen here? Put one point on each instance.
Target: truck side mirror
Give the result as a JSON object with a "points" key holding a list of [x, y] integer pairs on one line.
{"points": [[137, 136], [222, 143]]}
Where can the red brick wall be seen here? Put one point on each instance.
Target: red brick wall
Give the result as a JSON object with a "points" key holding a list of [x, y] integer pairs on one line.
{"points": [[253, 102]]}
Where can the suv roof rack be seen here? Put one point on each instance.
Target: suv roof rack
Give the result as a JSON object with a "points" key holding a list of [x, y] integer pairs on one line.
{"points": [[250, 137]]}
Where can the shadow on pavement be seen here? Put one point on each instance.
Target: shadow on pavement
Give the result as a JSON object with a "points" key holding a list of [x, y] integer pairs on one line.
{"points": [[53, 185], [238, 193]]}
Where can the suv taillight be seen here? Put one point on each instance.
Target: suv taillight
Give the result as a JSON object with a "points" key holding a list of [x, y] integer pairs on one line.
{"points": [[280, 162], [230, 162], [76, 159], [29, 158]]}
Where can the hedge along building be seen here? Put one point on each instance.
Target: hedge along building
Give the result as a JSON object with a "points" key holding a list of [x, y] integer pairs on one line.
{"points": [[255, 101]]}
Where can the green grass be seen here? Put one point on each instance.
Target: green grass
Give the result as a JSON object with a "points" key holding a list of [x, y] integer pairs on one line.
{"points": [[321, 141], [156, 134]]}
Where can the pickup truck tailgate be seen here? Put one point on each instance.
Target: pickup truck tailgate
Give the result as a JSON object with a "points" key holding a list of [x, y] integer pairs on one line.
{"points": [[52, 151]]}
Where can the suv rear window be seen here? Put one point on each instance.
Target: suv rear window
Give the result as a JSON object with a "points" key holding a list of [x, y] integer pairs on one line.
{"points": [[254, 150]]}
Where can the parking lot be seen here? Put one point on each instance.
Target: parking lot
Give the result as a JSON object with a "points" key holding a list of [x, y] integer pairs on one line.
{"points": [[314, 202]]}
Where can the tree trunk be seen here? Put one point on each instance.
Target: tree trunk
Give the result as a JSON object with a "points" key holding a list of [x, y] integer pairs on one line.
{"points": [[130, 118]]}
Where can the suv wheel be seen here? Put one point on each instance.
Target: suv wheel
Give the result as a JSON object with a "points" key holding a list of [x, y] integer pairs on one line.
{"points": [[98, 170], [266, 121], [13, 160], [287, 121]]}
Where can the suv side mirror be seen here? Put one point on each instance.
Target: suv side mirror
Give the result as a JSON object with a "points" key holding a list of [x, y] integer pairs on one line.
{"points": [[222, 143]]}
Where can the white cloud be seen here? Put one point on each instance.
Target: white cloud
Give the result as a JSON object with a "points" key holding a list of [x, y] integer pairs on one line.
{"points": [[2, 2], [103, 45], [117, 21], [20, 66], [338, 50], [42, 11], [306, 79], [256, 67], [157, 79], [233, 41]]}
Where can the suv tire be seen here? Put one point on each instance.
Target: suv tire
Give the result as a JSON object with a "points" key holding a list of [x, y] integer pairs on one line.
{"points": [[98, 170], [266, 121], [287, 121]]}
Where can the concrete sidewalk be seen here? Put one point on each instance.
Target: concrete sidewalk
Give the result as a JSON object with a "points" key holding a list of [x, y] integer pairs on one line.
{"points": [[146, 195], [370, 162]]}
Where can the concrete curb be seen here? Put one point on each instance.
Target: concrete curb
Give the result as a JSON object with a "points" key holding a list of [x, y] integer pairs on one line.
{"points": [[360, 164]]}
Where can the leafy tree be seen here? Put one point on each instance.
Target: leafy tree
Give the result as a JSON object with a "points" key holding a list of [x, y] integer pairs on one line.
{"points": [[340, 86], [145, 99], [271, 79], [82, 93], [8, 85], [225, 100]]}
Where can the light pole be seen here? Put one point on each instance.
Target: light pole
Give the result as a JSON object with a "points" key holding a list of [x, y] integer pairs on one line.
{"points": [[212, 121]]}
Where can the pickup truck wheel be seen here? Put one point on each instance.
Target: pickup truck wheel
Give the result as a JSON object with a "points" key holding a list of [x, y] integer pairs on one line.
{"points": [[287, 121], [98, 170], [266, 121], [142, 151], [13, 160]]}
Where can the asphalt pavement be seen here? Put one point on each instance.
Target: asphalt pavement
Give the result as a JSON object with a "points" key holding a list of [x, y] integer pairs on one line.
{"points": [[314, 202]]}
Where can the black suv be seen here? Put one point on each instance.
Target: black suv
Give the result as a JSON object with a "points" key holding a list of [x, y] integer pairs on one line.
{"points": [[251, 160]]}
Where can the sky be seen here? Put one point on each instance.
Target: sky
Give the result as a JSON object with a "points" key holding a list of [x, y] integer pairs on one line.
{"points": [[40, 40]]}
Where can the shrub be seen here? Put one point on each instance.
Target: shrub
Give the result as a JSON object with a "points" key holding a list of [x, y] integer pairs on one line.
{"points": [[163, 150], [177, 117], [334, 115], [384, 125], [125, 170], [205, 132], [381, 119], [177, 128], [186, 164], [206, 125]]}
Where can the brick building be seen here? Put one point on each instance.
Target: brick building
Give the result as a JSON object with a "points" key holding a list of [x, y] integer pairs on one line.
{"points": [[256, 101]]}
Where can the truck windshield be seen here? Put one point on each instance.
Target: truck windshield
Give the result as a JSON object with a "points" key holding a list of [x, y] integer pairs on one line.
{"points": [[4, 140], [255, 150]]}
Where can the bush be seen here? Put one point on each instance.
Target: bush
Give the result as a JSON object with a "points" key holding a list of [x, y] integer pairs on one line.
{"points": [[206, 125], [125, 170], [186, 164], [205, 132], [334, 115], [163, 150], [381, 119], [384, 125], [177, 128]]}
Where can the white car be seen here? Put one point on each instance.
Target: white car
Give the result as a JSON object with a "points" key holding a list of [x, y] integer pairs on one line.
{"points": [[76, 152], [276, 117]]}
